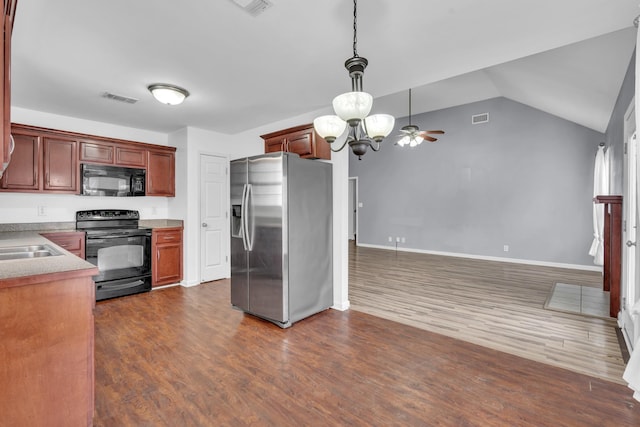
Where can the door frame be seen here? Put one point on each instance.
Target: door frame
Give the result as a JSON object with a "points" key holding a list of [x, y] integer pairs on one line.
{"points": [[356, 220], [227, 228], [630, 267]]}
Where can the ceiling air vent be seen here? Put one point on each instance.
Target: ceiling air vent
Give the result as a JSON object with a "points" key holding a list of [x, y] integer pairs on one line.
{"points": [[253, 7], [120, 98], [476, 119]]}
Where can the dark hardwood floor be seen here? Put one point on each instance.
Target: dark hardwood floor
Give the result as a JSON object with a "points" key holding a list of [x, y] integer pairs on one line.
{"points": [[183, 357]]}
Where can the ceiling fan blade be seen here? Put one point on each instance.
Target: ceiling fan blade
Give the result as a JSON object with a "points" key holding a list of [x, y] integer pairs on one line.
{"points": [[427, 137], [439, 132]]}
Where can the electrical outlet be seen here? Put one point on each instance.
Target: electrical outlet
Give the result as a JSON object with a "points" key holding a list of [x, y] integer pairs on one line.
{"points": [[402, 239], [42, 210], [397, 240], [505, 248], [390, 239]]}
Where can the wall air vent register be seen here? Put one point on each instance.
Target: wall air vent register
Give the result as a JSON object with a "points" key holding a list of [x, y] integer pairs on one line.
{"points": [[253, 7], [476, 119], [119, 98]]}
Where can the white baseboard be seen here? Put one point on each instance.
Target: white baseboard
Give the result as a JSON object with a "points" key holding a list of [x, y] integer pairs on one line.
{"points": [[188, 284], [625, 320], [487, 258], [165, 286], [341, 305]]}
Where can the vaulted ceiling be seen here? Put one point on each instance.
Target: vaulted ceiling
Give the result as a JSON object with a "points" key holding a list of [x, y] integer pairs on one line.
{"points": [[565, 57]]}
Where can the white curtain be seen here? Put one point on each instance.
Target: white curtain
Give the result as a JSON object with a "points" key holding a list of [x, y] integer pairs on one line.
{"points": [[632, 372], [600, 188]]}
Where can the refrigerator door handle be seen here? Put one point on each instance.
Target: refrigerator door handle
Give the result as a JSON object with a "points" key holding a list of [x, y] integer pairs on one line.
{"points": [[248, 216], [243, 216]]}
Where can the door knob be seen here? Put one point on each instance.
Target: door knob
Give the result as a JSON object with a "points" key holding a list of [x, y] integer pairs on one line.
{"points": [[204, 225], [630, 243]]}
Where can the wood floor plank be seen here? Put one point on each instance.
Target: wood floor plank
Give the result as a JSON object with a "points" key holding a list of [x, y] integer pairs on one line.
{"points": [[494, 304], [183, 357]]}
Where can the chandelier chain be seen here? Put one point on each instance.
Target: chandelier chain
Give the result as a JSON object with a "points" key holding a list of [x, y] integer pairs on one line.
{"points": [[355, 28]]}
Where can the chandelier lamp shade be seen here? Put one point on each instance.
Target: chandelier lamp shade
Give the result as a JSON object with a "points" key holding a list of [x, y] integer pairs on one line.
{"points": [[168, 94], [353, 108]]}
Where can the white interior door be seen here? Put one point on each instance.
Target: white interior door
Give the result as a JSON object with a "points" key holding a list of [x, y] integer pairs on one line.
{"points": [[214, 217], [630, 253]]}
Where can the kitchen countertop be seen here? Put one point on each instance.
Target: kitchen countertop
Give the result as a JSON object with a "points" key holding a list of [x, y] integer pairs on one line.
{"points": [[160, 223], [35, 266], [27, 234]]}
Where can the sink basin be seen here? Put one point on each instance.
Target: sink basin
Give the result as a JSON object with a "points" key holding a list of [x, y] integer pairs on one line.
{"points": [[24, 252]]}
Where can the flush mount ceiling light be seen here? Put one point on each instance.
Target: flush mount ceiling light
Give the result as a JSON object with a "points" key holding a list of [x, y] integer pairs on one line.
{"points": [[352, 108], [168, 94]]}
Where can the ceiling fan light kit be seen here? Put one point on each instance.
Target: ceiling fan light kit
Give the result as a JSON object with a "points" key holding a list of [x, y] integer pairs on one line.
{"points": [[352, 108], [412, 136]]}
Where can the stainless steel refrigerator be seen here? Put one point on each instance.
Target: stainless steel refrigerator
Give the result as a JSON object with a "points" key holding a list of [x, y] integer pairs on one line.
{"points": [[281, 237]]}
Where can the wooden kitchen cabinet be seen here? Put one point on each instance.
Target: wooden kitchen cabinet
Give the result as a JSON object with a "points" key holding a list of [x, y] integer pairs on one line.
{"points": [[161, 173], [73, 241], [5, 81], [47, 367], [131, 157], [166, 249], [23, 173], [301, 140], [95, 152], [41, 163], [112, 154], [60, 165], [48, 161]]}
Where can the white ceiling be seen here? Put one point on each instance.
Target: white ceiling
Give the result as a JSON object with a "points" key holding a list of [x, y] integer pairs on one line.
{"points": [[566, 57]]}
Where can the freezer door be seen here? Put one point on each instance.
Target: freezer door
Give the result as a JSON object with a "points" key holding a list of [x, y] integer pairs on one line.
{"points": [[268, 280], [239, 255]]}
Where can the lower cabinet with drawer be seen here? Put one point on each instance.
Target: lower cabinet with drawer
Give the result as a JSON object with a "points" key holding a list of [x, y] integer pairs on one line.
{"points": [[166, 249], [73, 241]]}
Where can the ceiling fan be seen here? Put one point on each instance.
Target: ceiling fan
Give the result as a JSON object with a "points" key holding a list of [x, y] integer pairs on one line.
{"points": [[412, 135]]}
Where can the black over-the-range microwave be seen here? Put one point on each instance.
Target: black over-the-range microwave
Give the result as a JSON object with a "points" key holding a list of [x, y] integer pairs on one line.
{"points": [[102, 180]]}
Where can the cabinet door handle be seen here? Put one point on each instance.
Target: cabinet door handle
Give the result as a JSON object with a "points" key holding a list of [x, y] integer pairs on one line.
{"points": [[158, 257]]}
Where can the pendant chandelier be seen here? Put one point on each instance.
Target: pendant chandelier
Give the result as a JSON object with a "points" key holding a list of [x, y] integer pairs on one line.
{"points": [[353, 107]]}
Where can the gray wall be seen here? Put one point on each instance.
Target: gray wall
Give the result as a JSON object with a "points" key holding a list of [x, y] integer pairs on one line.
{"points": [[615, 130], [524, 179]]}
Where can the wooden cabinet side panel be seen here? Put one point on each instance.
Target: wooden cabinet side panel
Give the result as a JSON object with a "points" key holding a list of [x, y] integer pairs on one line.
{"points": [[322, 149], [5, 78], [23, 171], [47, 353]]}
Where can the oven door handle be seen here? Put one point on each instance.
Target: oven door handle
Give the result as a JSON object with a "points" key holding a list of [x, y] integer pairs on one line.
{"points": [[114, 236]]}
